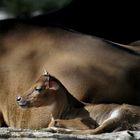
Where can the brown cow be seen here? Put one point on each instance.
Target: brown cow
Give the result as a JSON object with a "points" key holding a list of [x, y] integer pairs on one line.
{"points": [[68, 112], [83, 63], [92, 69]]}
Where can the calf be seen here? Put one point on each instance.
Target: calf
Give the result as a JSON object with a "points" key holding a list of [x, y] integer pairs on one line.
{"points": [[67, 112]]}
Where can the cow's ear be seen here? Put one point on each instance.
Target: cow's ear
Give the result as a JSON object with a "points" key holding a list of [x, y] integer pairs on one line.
{"points": [[53, 85]]}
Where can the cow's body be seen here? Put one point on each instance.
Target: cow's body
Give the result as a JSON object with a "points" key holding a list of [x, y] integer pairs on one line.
{"points": [[92, 69]]}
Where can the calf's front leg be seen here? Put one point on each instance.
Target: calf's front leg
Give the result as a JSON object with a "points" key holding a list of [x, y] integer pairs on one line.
{"points": [[114, 122], [74, 124]]}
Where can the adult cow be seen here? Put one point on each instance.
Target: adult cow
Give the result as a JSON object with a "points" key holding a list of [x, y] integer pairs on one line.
{"points": [[83, 63], [92, 69]]}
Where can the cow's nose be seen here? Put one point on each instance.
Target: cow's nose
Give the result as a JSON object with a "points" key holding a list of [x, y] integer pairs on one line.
{"points": [[19, 98]]}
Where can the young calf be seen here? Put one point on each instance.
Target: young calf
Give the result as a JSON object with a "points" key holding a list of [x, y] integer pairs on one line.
{"points": [[68, 112]]}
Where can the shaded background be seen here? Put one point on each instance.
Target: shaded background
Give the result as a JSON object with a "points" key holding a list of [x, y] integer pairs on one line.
{"points": [[114, 20]]}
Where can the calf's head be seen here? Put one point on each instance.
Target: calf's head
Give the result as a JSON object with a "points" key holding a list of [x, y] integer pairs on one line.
{"points": [[42, 93]]}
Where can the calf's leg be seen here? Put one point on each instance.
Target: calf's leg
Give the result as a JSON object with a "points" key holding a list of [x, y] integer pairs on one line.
{"points": [[77, 123]]}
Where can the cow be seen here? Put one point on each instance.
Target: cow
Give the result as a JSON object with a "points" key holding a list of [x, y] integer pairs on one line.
{"points": [[94, 70], [83, 63], [68, 112]]}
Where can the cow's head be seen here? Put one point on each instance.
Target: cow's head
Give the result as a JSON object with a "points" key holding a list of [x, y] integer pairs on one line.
{"points": [[41, 93]]}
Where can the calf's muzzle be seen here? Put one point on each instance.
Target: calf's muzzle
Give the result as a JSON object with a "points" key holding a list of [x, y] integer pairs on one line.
{"points": [[21, 101]]}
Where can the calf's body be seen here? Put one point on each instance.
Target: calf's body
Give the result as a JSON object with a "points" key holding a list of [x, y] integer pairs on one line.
{"points": [[67, 112]]}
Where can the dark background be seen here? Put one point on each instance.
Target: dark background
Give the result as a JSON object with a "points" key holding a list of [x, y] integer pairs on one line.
{"points": [[114, 20]]}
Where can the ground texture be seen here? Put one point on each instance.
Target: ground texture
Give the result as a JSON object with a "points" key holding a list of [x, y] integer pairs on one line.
{"points": [[26, 134]]}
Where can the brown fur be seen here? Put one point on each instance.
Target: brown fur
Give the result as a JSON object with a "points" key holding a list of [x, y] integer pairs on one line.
{"points": [[67, 112], [92, 69]]}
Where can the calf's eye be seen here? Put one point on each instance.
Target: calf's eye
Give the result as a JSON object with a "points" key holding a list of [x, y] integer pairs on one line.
{"points": [[38, 88]]}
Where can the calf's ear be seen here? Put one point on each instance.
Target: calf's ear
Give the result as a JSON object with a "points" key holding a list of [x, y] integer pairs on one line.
{"points": [[45, 72], [53, 85]]}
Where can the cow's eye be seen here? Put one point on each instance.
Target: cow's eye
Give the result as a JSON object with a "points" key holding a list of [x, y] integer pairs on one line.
{"points": [[38, 88]]}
